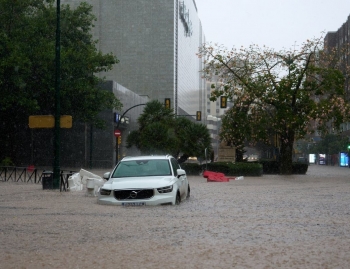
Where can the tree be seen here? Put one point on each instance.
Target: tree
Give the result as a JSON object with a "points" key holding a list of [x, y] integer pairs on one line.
{"points": [[160, 132], [27, 66], [331, 144], [233, 122], [193, 138], [156, 130], [277, 93]]}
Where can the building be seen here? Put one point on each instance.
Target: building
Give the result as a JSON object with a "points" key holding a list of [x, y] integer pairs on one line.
{"points": [[214, 114], [338, 39], [84, 146], [156, 42]]}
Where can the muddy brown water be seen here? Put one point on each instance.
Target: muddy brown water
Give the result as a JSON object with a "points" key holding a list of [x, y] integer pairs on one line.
{"points": [[298, 221]]}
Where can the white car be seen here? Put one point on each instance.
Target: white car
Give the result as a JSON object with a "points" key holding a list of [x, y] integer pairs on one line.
{"points": [[145, 180]]}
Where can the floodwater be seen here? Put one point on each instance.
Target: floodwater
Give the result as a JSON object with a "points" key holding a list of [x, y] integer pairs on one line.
{"points": [[273, 221]]}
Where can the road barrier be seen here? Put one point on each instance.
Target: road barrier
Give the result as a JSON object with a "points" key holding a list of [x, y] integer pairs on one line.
{"points": [[31, 174]]}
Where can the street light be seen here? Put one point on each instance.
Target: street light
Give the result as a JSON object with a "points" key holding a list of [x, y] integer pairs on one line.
{"points": [[57, 142], [126, 119]]}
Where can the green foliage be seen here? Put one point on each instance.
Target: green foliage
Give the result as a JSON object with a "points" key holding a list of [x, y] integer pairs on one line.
{"points": [[270, 167], [273, 167], [160, 132], [192, 137], [300, 168], [330, 144], [192, 168], [156, 130], [274, 93], [27, 67], [7, 162]]}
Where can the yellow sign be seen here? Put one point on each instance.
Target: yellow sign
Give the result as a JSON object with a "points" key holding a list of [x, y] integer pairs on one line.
{"points": [[48, 121], [66, 121]]}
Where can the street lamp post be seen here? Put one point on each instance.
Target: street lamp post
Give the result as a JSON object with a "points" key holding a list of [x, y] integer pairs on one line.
{"points": [[121, 117], [57, 141]]}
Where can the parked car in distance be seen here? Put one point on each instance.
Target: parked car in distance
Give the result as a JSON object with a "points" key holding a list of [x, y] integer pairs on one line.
{"points": [[145, 180]]}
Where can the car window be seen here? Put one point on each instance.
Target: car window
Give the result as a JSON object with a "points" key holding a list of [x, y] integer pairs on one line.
{"points": [[175, 165], [140, 168]]}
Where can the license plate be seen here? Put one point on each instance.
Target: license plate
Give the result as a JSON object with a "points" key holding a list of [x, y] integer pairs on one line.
{"points": [[134, 204]]}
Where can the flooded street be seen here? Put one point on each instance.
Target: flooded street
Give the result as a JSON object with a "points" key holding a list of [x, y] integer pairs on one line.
{"points": [[298, 221]]}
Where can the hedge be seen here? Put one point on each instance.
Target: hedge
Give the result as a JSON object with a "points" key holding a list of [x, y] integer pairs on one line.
{"points": [[228, 168], [242, 168], [191, 168], [272, 167]]}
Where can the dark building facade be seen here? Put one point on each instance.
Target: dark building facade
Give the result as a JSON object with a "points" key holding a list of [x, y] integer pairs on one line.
{"points": [[84, 146], [340, 40]]}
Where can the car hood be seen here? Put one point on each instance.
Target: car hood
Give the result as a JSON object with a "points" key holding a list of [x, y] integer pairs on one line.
{"points": [[139, 182]]}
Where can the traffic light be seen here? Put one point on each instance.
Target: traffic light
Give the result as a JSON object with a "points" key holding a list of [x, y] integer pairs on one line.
{"points": [[348, 146], [199, 116], [223, 101], [167, 103], [119, 140]]}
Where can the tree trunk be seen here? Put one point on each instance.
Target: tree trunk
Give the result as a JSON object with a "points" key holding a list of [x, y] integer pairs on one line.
{"points": [[239, 155], [286, 154]]}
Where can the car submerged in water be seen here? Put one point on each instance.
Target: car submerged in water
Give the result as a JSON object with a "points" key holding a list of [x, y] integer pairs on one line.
{"points": [[145, 180]]}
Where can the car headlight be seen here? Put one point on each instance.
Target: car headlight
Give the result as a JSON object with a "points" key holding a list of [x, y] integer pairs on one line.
{"points": [[105, 192], [165, 189]]}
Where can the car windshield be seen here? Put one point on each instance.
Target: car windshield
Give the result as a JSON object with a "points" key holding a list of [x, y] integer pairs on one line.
{"points": [[142, 168]]}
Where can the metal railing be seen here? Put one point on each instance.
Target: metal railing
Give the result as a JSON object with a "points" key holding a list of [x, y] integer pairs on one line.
{"points": [[19, 174], [33, 175]]}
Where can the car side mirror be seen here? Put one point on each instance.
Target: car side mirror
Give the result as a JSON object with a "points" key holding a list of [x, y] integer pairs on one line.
{"points": [[106, 175], [180, 172]]}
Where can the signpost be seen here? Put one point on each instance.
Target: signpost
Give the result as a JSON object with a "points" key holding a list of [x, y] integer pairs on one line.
{"points": [[118, 136], [117, 133]]}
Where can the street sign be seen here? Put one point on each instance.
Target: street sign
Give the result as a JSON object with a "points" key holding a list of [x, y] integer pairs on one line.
{"points": [[116, 117], [48, 121], [66, 121], [117, 133]]}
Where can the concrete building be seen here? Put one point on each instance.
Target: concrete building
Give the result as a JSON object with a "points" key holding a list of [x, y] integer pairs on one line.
{"points": [[156, 42], [338, 39]]}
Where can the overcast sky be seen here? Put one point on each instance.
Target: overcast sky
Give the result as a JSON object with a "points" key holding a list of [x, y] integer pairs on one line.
{"points": [[277, 24]]}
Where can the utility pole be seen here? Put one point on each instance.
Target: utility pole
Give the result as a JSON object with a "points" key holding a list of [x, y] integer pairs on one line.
{"points": [[57, 141], [117, 144]]}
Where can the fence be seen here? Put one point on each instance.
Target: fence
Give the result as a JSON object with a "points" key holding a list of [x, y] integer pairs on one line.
{"points": [[31, 174]]}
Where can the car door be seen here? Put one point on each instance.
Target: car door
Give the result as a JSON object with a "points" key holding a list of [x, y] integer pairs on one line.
{"points": [[182, 179]]}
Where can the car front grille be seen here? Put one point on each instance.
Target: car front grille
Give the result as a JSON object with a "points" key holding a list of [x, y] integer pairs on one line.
{"points": [[133, 194]]}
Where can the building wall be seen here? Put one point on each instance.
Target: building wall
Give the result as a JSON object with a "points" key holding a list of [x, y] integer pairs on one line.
{"points": [[133, 105], [338, 39], [191, 85], [157, 57]]}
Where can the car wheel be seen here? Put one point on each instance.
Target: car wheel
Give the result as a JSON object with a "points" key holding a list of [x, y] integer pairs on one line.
{"points": [[178, 199], [188, 192]]}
